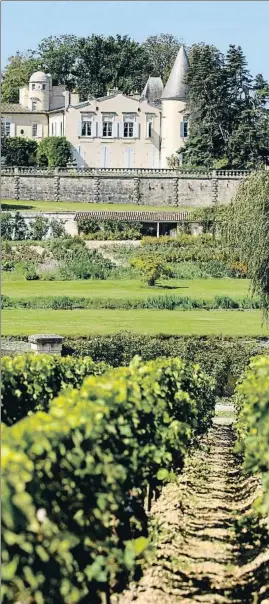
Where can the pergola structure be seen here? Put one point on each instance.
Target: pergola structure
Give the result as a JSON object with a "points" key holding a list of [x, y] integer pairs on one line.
{"points": [[137, 216]]}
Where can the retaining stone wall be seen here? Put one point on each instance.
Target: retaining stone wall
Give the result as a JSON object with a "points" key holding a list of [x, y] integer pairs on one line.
{"points": [[156, 187]]}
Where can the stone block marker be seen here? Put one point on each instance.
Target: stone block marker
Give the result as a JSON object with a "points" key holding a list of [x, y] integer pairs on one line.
{"points": [[46, 343]]}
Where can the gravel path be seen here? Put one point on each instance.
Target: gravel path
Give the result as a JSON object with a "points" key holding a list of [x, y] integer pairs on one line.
{"points": [[197, 556]]}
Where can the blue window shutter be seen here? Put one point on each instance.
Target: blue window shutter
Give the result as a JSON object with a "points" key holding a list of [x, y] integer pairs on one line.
{"points": [[79, 128], [114, 130], [12, 130], [136, 130], [121, 129], [182, 129]]}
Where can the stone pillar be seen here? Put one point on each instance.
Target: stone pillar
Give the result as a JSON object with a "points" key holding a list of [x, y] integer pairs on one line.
{"points": [[136, 196], [56, 186], [17, 187], [71, 227], [175, 191], [46, 344], [215, 187], [96, 189]]}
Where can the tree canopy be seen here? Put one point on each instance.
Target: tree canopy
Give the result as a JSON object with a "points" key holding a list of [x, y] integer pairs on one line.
{"points": [[229, 123], [93, 64], [247, 231]]}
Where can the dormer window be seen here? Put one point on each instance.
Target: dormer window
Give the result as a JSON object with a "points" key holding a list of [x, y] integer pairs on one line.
{"points": [[34, 105]]}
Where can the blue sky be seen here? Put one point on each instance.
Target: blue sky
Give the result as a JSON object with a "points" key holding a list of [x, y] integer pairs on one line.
{"points": [[244, 23]]}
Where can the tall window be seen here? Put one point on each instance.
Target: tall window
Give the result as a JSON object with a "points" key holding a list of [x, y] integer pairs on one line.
{"points": [[86, 127], [33, 86], [34, 105], [61, 128], [5, 127], [43, 86], [149, 127], [34, 130], [186, 126], [128, 127], [107, 127]]}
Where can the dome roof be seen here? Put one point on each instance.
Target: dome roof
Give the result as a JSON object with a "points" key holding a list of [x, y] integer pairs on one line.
{"points": [[39, 76]]}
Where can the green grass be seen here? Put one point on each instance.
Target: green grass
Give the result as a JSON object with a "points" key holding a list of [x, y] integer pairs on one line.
{"points": [[76, 206], [128, 289], [88, 322]]}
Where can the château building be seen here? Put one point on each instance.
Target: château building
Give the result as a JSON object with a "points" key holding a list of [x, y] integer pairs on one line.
{"points": [[114, 131]]}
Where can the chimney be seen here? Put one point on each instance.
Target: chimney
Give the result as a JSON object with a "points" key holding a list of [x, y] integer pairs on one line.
{"points": [[112, 91]]}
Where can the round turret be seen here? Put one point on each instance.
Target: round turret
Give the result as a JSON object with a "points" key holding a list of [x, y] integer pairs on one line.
{"points": [[174, 99], [39, 91]]}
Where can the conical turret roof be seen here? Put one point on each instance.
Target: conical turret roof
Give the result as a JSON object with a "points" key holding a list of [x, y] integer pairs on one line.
{"points": [[175, 88]]}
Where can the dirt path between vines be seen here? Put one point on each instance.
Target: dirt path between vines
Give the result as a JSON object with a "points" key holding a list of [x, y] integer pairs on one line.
{"points": [[197, 554]]}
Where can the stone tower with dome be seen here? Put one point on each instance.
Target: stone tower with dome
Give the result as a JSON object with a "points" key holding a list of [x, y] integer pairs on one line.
{"points": [[40, 89]]}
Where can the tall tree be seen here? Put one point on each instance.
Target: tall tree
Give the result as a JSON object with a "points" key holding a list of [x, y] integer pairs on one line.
{"points": [[162, 51], [109, 62], [229, 117], [16, 75], [58, 56]]}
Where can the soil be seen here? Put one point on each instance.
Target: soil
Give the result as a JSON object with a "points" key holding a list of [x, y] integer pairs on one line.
{"points": [[199, 556]]}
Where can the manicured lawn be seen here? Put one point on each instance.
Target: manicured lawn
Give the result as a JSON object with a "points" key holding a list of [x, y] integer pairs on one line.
{"points": [[88, 322], [65, 206], [196, 288]]}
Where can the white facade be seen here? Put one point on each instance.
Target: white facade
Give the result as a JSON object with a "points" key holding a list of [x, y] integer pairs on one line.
{"points": [[115, 131]]}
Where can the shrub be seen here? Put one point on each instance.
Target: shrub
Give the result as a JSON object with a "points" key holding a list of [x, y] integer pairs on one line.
{"points": [[77, 262], [13, 227], [31, 274], [57, 228], [6, 226], [74, 480], [19, 151], [152, 268], [118, 230], [54, 151], [38, 228]]}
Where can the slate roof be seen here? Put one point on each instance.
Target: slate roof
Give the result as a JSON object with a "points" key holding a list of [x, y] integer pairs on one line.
{"points": [[175, 88], [136, 216], [153, 89], [16, 108]]}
